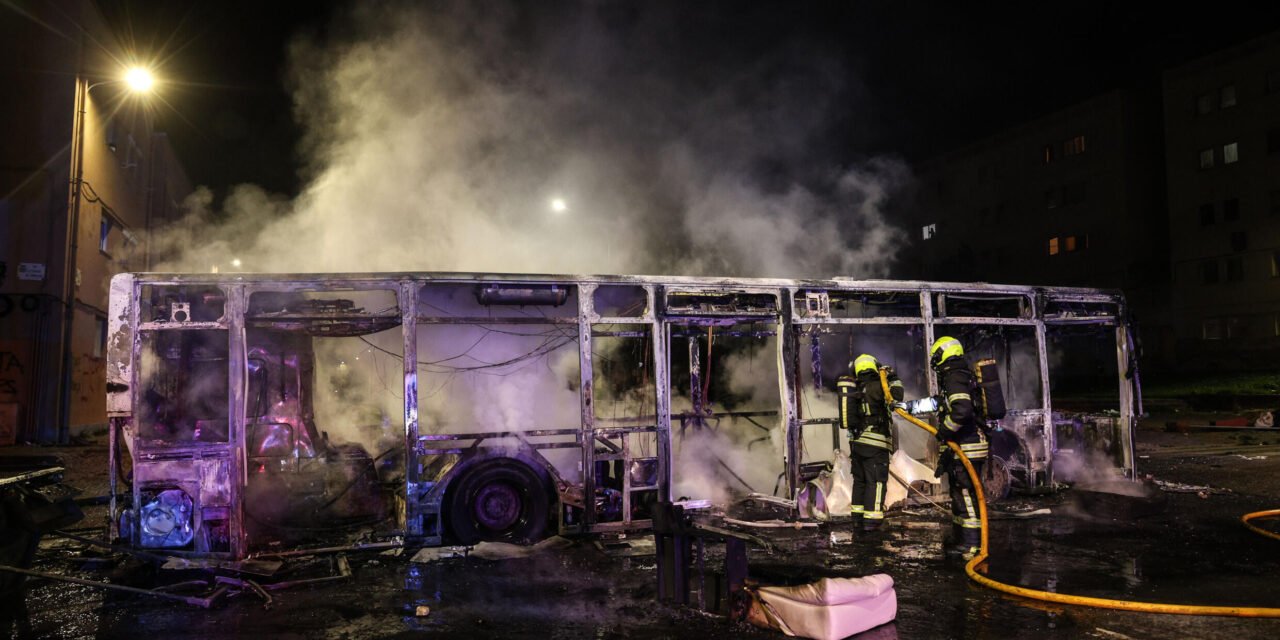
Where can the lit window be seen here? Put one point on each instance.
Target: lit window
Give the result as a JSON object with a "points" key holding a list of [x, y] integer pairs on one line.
{"points": [[1211, 329], [1206, 214], [1069, 243], [1235, 269], [929, 231], [1227, 96], [1074, 146], [1209, 271], [1231, 209], [1053, 246], [1047, 154], [1230, 153], [1239, 240], [104, 234], [1206, 159]]}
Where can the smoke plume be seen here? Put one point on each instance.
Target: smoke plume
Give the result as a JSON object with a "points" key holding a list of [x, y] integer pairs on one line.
{"points": [[436, 138]]}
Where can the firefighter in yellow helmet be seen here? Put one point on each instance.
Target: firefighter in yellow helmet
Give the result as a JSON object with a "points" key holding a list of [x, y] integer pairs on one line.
{"points": [[962, 424], [871, 436]]}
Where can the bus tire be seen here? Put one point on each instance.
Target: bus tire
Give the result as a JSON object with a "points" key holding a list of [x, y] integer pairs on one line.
{"points": [[499, 500]]}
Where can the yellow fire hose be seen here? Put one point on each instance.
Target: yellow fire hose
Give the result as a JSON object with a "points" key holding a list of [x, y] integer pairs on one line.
{"points": [[1257, 515], [1048, 596]]}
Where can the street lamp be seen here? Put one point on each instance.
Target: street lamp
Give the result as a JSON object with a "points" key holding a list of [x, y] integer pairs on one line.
{"points": [[140, 81]]}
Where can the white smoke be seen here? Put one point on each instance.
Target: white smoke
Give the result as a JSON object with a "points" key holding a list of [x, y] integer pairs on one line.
{"points": [[437, 137]]}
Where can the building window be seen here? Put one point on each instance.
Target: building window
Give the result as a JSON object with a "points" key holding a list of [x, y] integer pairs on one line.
{"points": [[1053, 198], [1211, 329], [1073, 193], [1206, 159], [1053, 246], [1206, 214], [1273, 141], [1231, 209], [1236, 328], [1074, 146], [100, 335], [1230, 153], [104, 235], [1047, 154], [1227, 96], [1075, 243], [929, 231], [1235, 269], [1239, 240], [1209, 271], [1204, 103]]}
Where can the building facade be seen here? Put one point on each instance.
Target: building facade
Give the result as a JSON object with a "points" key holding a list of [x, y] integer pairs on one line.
{"points": [[1222, 127], [1075, 198], [84, 178]]}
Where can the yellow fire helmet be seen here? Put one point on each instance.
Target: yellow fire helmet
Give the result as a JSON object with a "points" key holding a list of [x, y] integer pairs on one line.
{"points": [[944, 349], [865, 362]]}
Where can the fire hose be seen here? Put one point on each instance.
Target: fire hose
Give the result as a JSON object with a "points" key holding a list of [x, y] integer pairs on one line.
{"points": [[971, 570], [1257, 515]]}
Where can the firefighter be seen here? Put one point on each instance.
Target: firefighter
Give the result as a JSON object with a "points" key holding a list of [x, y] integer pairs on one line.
{"points": [[962, 423], [865, 415]]}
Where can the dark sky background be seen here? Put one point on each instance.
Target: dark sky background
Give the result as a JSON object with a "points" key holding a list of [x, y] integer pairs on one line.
{"points": [[930, 76]]}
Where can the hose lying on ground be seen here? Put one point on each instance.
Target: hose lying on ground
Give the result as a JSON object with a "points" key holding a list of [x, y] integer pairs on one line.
{"points": [[1257, 515], [1048, 596]]}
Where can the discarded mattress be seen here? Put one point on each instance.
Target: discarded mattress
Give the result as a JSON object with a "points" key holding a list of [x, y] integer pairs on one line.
{"points": [[828, 609]]}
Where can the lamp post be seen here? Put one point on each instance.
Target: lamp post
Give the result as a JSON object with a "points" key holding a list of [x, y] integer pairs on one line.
{"points": [[138, 80]]}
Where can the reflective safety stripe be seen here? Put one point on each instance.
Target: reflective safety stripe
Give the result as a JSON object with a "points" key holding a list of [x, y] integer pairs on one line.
{"points": [[844, 411], [857, 508], [874, 439], [968, 506], [959, 396], [968, 523], [950, 424], [896, 383], [846, 383], [873, 515], [879, 503]]}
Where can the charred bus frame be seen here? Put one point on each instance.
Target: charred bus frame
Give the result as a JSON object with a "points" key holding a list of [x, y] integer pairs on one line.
{"points": [[214, 475]]}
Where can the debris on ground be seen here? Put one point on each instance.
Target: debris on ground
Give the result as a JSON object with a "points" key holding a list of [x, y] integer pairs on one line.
{"points": [[828, 609], [432, 554], [422, 611], [1178, 487], [508, 551]]}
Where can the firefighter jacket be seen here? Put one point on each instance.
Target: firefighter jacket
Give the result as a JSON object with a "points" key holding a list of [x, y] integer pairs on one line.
{"points": [[961, 416], [862, 408]]}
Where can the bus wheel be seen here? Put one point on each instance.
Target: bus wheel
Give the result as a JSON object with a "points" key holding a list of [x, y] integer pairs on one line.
{"points": [[996, 481], [500, 500]]}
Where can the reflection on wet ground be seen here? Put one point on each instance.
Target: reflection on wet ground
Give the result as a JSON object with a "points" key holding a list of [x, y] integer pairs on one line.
{"points": [[1193, 551]]}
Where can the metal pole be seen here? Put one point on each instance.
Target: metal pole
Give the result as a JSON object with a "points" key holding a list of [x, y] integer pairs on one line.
{"points": [[72, 247]]}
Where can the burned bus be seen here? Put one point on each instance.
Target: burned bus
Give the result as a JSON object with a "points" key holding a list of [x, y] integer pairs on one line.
{"points": [[254, 412]]}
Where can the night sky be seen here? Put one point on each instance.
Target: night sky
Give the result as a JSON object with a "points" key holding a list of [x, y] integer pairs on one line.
{"points": [[928, 76]]}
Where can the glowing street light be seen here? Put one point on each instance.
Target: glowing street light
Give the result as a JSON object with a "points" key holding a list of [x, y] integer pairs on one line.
{"points": [[139, 80], [235, 262], [558, 205]]}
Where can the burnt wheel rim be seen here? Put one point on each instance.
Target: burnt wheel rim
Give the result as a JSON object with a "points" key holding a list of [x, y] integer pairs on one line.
{"points": [[497, 506]]}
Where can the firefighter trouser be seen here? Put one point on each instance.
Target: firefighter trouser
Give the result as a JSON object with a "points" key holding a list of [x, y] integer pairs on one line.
{"points": [[964, 506], [869, 467]]}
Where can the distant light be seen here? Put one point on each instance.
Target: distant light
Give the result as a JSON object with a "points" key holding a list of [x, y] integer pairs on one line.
{"points": [[235, 262], [558, 205], [139, 79]]}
